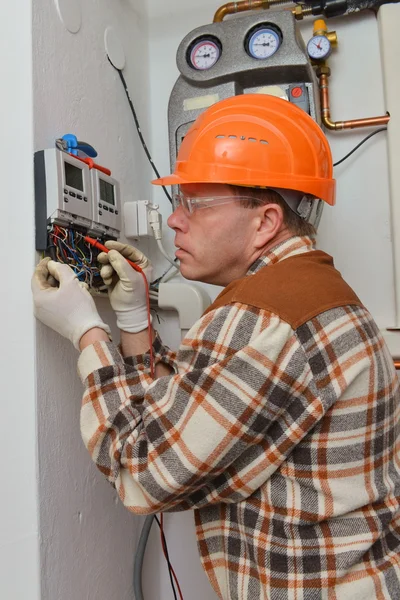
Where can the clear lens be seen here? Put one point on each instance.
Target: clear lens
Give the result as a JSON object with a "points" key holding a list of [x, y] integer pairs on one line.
{"points": [[189, 205], [176, 201]]}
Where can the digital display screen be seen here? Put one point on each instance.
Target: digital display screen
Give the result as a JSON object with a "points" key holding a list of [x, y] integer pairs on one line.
{"points": [[106, 192], [73, 176]]}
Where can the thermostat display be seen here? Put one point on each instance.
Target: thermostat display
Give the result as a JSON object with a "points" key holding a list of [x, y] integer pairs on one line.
{"points": [[106, 204], [73, 176], [107, 192]]}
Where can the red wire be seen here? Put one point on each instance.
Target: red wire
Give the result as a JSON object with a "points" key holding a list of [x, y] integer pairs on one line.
{"points": [[165, 555], [146, 283]]}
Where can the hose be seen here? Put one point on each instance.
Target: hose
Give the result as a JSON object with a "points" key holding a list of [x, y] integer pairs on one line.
{"points": [[139, 558]]}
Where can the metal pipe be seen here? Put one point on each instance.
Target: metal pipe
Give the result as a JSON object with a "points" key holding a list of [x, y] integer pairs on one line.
{"points": [[397, 365], [234, 7], [338, 125]]}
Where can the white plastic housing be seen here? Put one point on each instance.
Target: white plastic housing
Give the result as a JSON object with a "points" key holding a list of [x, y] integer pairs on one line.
{"points": [[136, 219], [68, 188], [189, 300]]}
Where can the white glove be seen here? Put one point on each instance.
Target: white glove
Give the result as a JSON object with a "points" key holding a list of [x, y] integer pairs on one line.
{"points": [[126, 287], [68, 308]]}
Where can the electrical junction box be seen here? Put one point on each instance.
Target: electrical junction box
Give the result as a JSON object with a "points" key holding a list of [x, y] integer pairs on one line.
{"points": [[136, 219]]}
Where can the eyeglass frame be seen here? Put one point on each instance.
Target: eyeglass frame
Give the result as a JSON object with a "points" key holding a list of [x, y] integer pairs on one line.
{"points": [[190, 204]]}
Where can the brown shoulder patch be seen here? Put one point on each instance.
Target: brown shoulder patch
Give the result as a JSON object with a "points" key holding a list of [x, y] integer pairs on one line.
{"points": [[296, 289]]}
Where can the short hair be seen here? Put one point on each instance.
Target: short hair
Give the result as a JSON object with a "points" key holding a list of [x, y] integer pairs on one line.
{"points": [[293, 221]]}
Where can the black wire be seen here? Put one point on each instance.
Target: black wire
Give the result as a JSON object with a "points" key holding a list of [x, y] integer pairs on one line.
{"points": [[139, 129], [167, 556], [358, 145]]}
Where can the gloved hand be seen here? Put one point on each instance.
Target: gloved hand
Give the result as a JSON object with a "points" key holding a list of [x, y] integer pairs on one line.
{"points": [[126, 287], [68, 308]]}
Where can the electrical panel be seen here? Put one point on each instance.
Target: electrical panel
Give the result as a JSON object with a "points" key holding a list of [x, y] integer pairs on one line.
{"points": [[75, 198], [69, 193]]}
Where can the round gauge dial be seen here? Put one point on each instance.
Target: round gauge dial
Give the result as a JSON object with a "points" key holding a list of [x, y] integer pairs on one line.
{"points": [[204, 53], [263, 42], [319, 47]]}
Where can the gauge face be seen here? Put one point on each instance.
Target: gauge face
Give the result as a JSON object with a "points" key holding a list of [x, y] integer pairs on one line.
{"points": [[263, 43], [319, 47], [204, 55]]}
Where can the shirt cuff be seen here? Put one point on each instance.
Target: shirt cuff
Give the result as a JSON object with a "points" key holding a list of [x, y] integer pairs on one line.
{"points": [[106, 354], [96, 356], [161, 354]]}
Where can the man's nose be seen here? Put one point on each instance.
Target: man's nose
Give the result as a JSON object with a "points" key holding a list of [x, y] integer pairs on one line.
{"points": [[178, 219]]}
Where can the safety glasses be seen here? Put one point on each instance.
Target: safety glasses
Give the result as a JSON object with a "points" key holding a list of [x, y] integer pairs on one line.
{"points": [[190, 205]]}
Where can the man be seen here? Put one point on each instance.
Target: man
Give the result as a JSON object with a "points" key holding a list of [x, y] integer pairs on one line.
{"points": [[277, 421]]}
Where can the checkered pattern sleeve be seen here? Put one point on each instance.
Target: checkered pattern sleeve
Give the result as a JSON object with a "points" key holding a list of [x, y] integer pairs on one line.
{"points": [[214, 431]]}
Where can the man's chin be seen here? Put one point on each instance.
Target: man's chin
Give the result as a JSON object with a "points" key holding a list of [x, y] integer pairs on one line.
{"points": [[192, 275]]}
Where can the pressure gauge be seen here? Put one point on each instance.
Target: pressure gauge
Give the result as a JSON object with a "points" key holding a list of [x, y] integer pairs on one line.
{"points": [[263, 41], [319, 47], [204, 53]]}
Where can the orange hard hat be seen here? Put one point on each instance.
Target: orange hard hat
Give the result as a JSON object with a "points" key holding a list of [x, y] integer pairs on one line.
{"points": [[256, 140]]}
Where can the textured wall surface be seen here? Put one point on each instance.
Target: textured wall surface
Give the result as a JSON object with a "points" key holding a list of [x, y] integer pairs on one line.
{"points": [[19, 537], [87, 537]]}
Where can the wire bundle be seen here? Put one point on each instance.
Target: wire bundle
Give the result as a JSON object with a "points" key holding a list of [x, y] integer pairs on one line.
{"points": [[68, 246]]}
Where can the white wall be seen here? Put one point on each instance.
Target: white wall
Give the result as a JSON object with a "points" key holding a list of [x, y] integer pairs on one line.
{"points": [[356, 232], [19, 540], [87, 537]]}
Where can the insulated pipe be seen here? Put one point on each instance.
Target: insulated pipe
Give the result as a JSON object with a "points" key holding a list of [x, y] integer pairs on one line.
{"points": [[234, 7], [338, 125]]}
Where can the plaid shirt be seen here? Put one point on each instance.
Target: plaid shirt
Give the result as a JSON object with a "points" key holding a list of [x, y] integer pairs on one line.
{"points": [[284, 443]]}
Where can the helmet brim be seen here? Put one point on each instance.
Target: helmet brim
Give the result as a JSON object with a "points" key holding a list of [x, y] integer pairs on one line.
{"points": [[171, 180], [324, 189]]}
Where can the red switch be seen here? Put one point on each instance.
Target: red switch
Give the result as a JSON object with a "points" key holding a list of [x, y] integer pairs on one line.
{"points": [[297, 92]]}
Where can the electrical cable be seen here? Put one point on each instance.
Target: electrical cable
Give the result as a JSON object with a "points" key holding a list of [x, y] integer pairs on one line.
{"points": [[164, 253], [172, 271], [167, 559], [360, 144], [139, 557], [165, 550], [139, 129]]}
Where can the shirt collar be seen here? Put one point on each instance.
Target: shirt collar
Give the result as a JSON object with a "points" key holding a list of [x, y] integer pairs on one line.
{"points": [[291, 247]]}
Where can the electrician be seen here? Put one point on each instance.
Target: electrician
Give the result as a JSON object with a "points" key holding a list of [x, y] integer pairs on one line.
{"points": [[277, 420]]}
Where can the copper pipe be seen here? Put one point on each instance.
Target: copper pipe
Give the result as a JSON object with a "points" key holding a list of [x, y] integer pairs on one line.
{"points": [[397, 365], [337, 125], [234, 7]]}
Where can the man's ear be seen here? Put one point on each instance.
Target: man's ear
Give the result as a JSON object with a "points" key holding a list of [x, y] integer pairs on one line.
{"points": [[270, 221]]}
